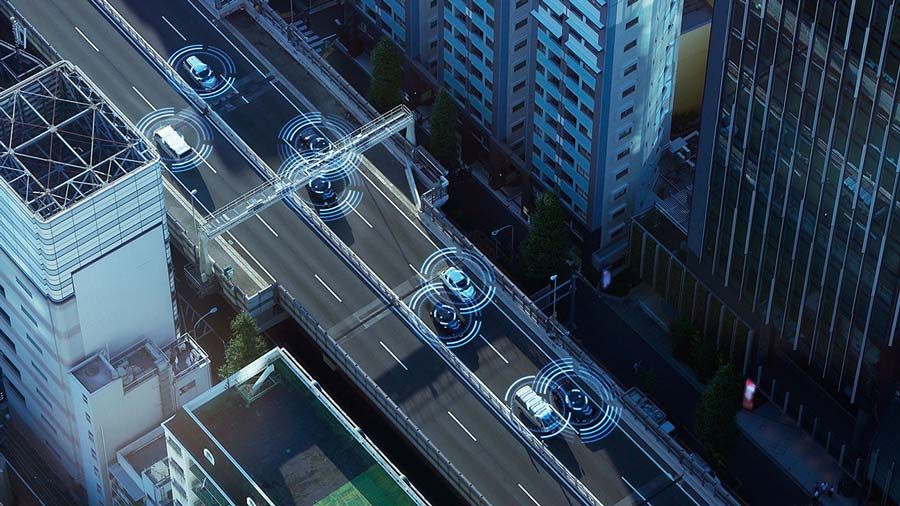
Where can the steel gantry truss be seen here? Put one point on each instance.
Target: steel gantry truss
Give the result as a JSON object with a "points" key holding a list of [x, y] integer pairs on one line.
{"points": [[274, 190]]}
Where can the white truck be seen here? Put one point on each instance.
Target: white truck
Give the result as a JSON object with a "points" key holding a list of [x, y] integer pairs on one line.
{"points": [[534, 408], [171, 142]]}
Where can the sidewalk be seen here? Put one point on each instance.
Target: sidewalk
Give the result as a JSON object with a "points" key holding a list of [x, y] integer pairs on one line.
{"points": [[628, 335], [777, 436]]}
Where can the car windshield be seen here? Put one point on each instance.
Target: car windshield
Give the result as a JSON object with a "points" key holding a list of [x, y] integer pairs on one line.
{"points": [[204, 72]]}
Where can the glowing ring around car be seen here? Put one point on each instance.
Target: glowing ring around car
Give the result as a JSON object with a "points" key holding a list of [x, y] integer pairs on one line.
{"points": [[484, 279], [472, 323], [330, 127], [605, 419], [221, 63], [348, 199], [196, 131]]}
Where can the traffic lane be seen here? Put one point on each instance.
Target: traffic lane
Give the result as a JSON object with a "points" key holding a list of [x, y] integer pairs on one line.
{"points": [[303, 255], [169, 26], [480, 446], [507, 354], [387, 240]]}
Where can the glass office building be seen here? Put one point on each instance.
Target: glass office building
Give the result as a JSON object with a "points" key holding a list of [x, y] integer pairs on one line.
{"points": [[795, 204]]}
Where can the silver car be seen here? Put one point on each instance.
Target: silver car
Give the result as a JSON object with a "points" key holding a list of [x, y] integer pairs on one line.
{"points": [[458, 283]]}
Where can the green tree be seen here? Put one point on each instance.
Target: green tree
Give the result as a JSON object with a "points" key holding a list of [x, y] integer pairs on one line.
{"points": [[546, 248], [444, 142], [245, 346], [716, 420], [683, 334], [387, 76], [704, 356]]}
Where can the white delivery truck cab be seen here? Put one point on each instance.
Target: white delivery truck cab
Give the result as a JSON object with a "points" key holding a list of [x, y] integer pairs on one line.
{"points": [[171, 142], [534, 408]]}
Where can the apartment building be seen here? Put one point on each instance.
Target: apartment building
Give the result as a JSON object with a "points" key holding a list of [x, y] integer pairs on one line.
{"points": [[85, 273], [602, 90]]}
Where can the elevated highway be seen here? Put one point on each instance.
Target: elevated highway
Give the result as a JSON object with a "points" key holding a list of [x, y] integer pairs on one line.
{"points": [[502, 346]]}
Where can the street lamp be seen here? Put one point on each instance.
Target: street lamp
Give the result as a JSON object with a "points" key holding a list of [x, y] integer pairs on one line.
{"points": [[213, 310], [512, 242], [554, 278]]}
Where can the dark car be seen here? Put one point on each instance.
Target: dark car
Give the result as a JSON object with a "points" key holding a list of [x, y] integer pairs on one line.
{"points": [[570, 398], [315, 141], [446, 319], [321, 192]]}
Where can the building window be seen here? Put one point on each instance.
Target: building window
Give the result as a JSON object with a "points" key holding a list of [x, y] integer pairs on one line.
{"points": [[2, 292], [629, 70], [622, 173], [23, 287], [628, 47], [521, 44], [28, 315], [519, 86], [519, 66], [626, 113], [518, 107], [5, 316], [620, 193], [8, 340], [631, 23], [625, 133], [522, 23], [622, 154], [629, 91]]}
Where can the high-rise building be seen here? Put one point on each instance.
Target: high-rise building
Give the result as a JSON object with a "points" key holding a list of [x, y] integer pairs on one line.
{"points": [[796, 186], [86, 288], [269, 434], [484, 64], [413, 25], [602, 90]]}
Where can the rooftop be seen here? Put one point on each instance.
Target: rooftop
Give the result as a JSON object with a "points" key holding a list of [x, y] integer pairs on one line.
{"points": [[61, 140], [289, 439], [132, 365]]}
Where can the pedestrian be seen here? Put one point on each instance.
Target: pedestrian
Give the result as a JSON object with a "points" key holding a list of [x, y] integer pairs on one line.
{"points": [[816, 496]]}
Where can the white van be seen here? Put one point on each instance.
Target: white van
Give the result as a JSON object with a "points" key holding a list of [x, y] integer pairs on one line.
{"points": [[171, 142], [534, 408]]}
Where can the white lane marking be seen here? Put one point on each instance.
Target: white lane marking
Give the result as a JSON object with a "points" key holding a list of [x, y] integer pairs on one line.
{"points": [[417, 272], [258, 217], [495, 349], [247, 252], [391, 353], [245, 99], [461, 426], [143, 97], [529, 495], [285, 97], [226, 38], [363, 218], [86, 38], [205, 162], [527, 336], [636, 491], [173, 28], [397, 208], [328, 288], [689, 496]]}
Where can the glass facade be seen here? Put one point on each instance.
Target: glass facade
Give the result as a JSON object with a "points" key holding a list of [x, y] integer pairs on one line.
{"points": [[796, 192]]}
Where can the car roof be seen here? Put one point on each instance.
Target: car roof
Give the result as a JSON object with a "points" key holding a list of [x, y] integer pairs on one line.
{"points": [[194, 61]]}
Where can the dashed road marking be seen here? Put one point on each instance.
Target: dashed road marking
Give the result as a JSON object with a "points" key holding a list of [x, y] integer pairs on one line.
{"points": [[173, 28], [391, 353], [328, 288], [143, 98], [87, 39], [528, 494], [461, 426]]}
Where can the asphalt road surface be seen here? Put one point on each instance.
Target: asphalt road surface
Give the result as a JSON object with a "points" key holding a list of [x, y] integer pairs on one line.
{"points": [[258, 106]]}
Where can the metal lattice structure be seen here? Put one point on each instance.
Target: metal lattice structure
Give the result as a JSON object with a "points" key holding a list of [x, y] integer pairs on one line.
{"points": [[274, 190], [61, 140]]}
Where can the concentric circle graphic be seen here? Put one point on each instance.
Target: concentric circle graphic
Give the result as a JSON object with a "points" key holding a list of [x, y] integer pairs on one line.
{"points": [[195, 130], [580, 395], [348, 189], [422, 303], [292, 148], [481, 275], [221, 63]]}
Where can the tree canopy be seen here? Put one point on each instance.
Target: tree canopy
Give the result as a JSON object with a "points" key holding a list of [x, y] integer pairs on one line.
{"points": [[245, 346], [387, 76], [546, 248], [444, 142], [716, 421]]}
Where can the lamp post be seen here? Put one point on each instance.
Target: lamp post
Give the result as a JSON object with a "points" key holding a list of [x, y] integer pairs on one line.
{"points": [[213, 310], [512, 242], [554, 278]]}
